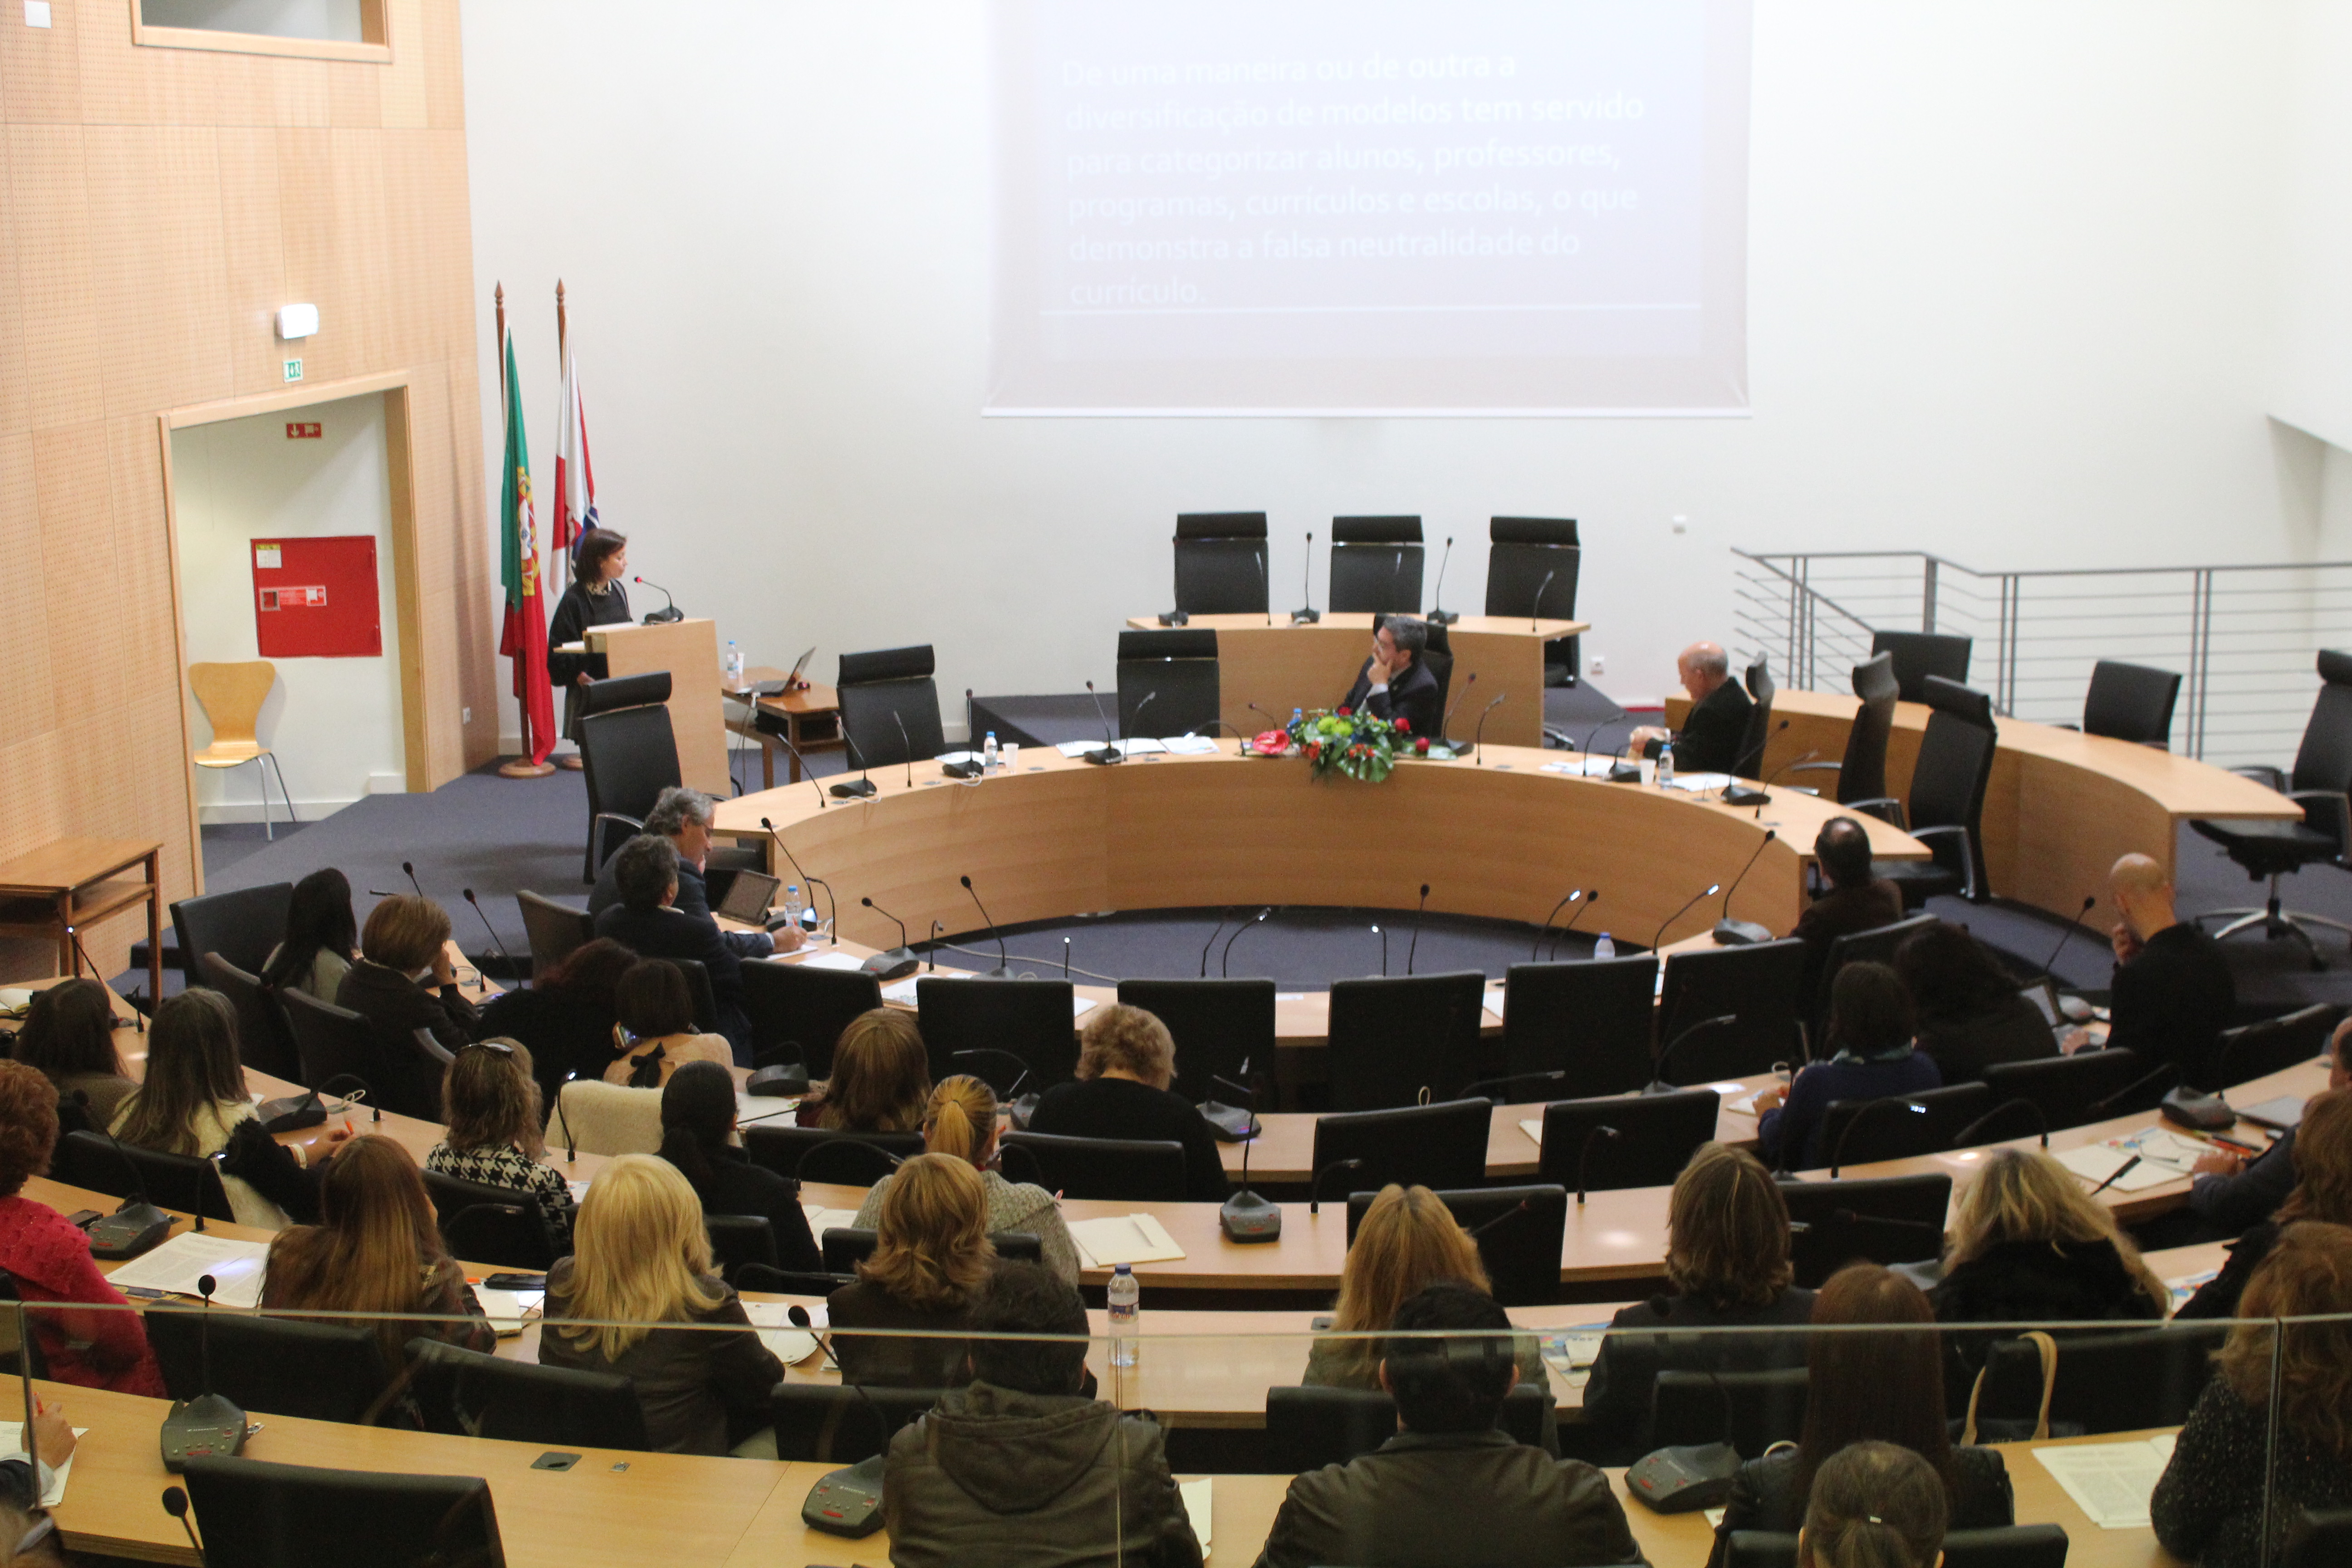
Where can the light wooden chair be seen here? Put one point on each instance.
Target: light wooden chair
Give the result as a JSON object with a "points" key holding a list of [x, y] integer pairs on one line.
{"points": [[232, 695]]}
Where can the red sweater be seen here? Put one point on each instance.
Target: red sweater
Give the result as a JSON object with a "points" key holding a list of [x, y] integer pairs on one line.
{"points": [[50, 1260]]}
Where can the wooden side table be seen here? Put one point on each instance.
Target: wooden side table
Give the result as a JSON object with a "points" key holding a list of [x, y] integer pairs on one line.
{"points": [[56, 891], [812, 719]]}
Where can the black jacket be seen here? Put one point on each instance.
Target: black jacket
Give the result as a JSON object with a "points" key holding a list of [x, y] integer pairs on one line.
{"points": [[703, 1388], [2218, 1297], [1840, 911], [2034, 1282], [575, 612], [2172, 1001], [2208, 1505], [669, 934], [1120, 1107], [566, 1031], [1764, 1496], [896, 1361], [1430, 1500], [402, 1078], [996, 1479], [1964, 1044], [693, 901], [736, 1185], [1414, 699], [1618, 1396], [1708, 742], [2237, 1203]]}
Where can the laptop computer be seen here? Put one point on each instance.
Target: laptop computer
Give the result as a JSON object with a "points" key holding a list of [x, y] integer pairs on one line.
{"points": [[748, 896], [790, 682]]}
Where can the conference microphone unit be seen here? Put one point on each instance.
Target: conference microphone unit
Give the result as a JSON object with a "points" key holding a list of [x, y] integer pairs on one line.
{"points": [[1535, 950], [408, 869], [1225, 957], [1416, 947], [861, 787], [1003, 970], [1245, 1216], [1590, 735], [2050, 968], [1110, 752], [1729, 932], [135, 1226], [1584, 1155], [1439, 616], [175, 1503], [1265, 587], [1737, 794], [522, 977], [1622, 768], [807, 771], [1136, 717], [138, 1019], [1309, 615], [1592, 897], [905, 745], [1535, 611], [900, 961], [1445, 725], [1214, 932], [794, 861], [1712, 888], [571, 1143], [1385, 949], [210, 1425], [1658, 1084], [1479, 741], [670, 612]]}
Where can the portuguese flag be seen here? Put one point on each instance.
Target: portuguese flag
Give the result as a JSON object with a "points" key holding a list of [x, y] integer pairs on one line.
{"points": [[524, 637]]}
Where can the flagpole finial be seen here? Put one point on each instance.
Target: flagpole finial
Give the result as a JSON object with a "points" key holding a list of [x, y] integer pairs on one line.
{"points": [[562, 332]]}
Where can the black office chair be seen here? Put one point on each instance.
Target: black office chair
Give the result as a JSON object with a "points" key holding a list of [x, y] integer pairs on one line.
{"points": [[187, 1182], [2320, 1538], [2131, 702], [279, 1365], [483, 1224], [1900, 1126], [1884, 1219], [757, 1276], [1655, 1136], [1748, 762], [1762, 986], [740, 1239], [2071, 1091], [468, 1394], [1308, 1428], [787, 1150], [1946, 803], [702, 1001], [241, 925], [1438, 654], [2256, 1051], [1375, 565], [2002, 1546], [837, 1424], [1749, 1410], [252, 1513], [1168, 682], [1589, 1022], [1393, 1038], [1221, 563], [2105, 1382], [1031, 1019], [555, 930], [2319, 783], [1531, 570], [1920, 655], [844, 1247], [1119, 1170], [1440, 1146], [882, 690], [794, 1003], [628, 755], [1520, 1233], [264, 1041], [1220, 1028], [330, 1041], [1861, 772], [1878, 945]]}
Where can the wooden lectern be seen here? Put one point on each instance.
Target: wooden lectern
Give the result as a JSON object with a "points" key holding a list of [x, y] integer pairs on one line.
{"points": [[688, 649]]}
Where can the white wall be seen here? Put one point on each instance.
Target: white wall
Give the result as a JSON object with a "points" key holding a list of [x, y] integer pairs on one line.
{"points": [[335, 723], [2313, 387], [2013, 280]]}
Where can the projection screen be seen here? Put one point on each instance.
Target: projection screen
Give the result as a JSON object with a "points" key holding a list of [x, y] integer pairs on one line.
{"points": [[1335, 207]]}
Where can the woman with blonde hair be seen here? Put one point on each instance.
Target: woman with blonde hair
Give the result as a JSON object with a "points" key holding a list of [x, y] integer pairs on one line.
{"points": [[641, 1258], [1126, 1059], [881, 1077], [2321, 1158], [931, 1252], [960, 1123], [489, 1100], [2209, 1505], [1728, 1260]]}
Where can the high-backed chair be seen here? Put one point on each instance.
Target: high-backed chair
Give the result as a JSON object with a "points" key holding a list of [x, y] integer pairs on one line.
{"points": [[1117, 1170], [1436, 1146], [2108, 1382], [1884, 1219], [330, 1041], [468, 1394], [483, 1224], [1748, 763], [1760, 986], [792, 1004], [2319, 783], [2131, 702], [1878, 945], [784, 1150], [1391, 1039], [556, 931], [231, 696], [264, 1041], [1221, 563], [628, 755], [740, 1239], [882, 690], [1375, 565], [1519, 1232], [1861, 772], [1918, 655], [1946, 808], [1900, 1126], [1439, 655], [702, 1001], [1168, 682], [106, 1164], [1654, 1136], [845, 1247], [1531, 570], [2071, 1090], [2256, 1051], [833, 1424], [1750, 1410], [253, 1513], [242, 925], [1221, 1029], [1032, 1019], [1308, 1428], [2319, 1537], [1589, 1021], [279, 1365]]}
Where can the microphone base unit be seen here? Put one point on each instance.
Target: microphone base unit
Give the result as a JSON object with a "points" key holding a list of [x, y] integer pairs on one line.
{"points": [[962, 770], [895, 964], [848, 1501], [1626, 773], [133, 1228], [1443, 618], [664, 617], [209, 1427], [1002, 971], [1231, 1123], [1105, 756], [1306, 617], [1175, 618], [855, 789], [1247, 1217], [785, 1083], [1659, 1086], [1729, 932], [1740, 795]]}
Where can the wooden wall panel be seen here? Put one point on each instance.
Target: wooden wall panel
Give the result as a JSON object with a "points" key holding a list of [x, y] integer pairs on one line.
{"points": [[156, 206]]}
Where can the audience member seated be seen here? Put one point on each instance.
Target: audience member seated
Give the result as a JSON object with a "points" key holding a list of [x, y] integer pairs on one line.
{"points": [[698, 1117], [1709, 740], [1019, 1467], [2172, 994], [403, 982], [67, 1035], [193, 1102], [960, 1121], [26, 1475], [640, 1258], [1878, 1386], [1969, 1011], [1396, 682], [376, 1251], [1450, 1487], [2231, 1195], [682, 815], [932, 1253], [655, 1034], [1856, 900], [2322, 1191], [49, 1256], [881, 1079], [566, 1017], [1728, 1260], [1126, 1059], [322, 939], [1875, 1505], [2030, 1246], [1871, 1058], [1407, 1241], [644, 921], [2209, 1505], [489, 1103]]}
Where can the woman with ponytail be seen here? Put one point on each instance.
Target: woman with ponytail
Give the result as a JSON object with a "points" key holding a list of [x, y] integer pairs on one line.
{"points": [[698, 1117], [931, 1255], [960, 1122], [1875, 1505]]}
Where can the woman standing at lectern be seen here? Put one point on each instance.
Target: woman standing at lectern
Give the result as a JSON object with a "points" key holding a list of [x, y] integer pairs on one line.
{"points": [[596, 598]]}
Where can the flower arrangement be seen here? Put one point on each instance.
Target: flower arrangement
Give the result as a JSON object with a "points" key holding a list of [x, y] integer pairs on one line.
{"points": [[1359, 745]]}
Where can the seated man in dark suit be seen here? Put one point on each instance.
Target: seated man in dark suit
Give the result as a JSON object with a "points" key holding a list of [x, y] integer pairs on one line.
{"points": [[405, 980], [2231, 1195], [682, 815], [1856, 900], [2172, 994], [644, 921], [1395, 682], [1708, 742], [1450, 1487]]}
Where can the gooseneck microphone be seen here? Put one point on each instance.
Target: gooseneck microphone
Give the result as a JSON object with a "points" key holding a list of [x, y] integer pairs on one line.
{"points": [[900, 961], [1308, 615], [175, 1503], [807, 771], [812, 881], [1535, 949], [1729, 932], [1416, 947], [861, 787], [1569, 929], [408, 869], [1737, 794], [907, 746], [1138, 715], [1479, 741], [1384, 948], [1712, 888], [570, 1144], [137, 1224], [1270, 722], [1837, 1156], [1225, 958], [1590, 735], [1535, 611], [210, 1425], [665, 616], [1438, 615], [2049, 969], [1003, 970], [1111, 752], [1245, 1216], [1658, 1084], [1264, 588], [1584, 1155], [1973, 1133], [523, 976], [1315, 1193], [138, 1019], [1445, 725], [1214, 932]]}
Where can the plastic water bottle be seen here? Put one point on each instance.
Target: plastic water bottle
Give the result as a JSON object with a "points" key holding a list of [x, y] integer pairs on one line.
{"points": [[734, 664], [1665, 765], [988, 757], [1606, 947], [1296, 714], [1125, 1314], [793, 903]]}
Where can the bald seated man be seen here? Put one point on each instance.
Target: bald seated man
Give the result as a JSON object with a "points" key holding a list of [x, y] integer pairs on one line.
{"points": [[1708, 742], [2172, 994]]}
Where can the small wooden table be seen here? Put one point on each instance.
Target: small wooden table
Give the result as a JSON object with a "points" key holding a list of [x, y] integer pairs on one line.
{"points": [[57, 889], [811, 717]]}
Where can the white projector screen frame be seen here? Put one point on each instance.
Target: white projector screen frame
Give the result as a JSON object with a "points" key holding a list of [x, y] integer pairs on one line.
{"points": [[1516, 208]]}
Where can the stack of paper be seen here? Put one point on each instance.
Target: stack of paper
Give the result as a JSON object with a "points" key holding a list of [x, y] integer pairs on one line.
{"points": [[1696, 783], [832, 958], [1133, 1239], [903, 990], [2095, 1163], [1191, 747], [1494, 1002], [1533, 1127], [1571, 1353], [12, 1441], [1583, 767], [508, 1310], [822, 1220], [174, 1268], [2110, 1482], [773, 1321]]}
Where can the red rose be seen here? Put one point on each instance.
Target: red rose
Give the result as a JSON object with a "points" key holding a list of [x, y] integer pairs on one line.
{"points": [[1421, 745], [1345, 713], [1402, 726]]}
